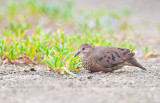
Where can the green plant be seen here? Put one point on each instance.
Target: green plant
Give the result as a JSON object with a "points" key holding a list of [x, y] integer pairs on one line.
{"points": [[158, 26], [146, 49], [24, 39]]}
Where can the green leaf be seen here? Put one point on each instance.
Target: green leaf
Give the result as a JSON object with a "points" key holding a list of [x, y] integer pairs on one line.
{"points": [[146, 48], [52, 60], [65, 58], [60, 64], [68, 72], [49, 63], [158, 26], [78, 64]]}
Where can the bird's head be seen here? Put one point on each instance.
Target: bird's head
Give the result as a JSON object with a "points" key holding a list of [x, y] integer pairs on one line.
{"points": [[83, 49]]}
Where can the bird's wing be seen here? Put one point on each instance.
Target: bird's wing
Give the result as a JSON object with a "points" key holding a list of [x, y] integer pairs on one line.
{"points": [[108, 56]]}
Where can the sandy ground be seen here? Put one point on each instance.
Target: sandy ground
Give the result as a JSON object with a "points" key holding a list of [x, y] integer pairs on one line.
{"points": [[129, 85], [18, 84]]}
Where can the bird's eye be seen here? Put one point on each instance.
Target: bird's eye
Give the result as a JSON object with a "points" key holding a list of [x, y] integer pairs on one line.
{"points": [[83, 48]]}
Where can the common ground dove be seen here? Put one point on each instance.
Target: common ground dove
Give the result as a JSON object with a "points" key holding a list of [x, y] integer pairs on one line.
{"points": [[106, 58]]}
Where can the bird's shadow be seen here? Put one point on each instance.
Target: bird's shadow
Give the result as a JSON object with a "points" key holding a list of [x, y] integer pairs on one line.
{"points": [[122, 72], [126, 72]]}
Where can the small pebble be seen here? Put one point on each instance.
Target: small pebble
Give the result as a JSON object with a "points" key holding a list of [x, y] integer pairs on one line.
{"points": [[32, 69], [90, 77]]}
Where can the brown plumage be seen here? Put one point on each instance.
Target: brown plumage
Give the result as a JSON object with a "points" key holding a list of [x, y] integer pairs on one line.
{"points": [[106, 58]]}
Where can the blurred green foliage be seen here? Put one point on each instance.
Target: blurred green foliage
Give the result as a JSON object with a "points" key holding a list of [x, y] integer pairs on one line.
{"points": [[56, 49]]}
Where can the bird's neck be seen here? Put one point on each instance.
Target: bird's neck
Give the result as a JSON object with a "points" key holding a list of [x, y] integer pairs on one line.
{"points": [[86, 57]]}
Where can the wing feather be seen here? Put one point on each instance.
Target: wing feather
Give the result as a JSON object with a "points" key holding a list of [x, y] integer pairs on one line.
{"points": [[108, 56]]}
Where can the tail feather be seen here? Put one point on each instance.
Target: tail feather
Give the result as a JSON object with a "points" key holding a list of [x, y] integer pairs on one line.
{"points": [[134, 62]]}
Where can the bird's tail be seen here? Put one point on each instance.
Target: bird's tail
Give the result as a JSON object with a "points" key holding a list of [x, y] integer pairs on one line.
{"points": [[134, 62]]}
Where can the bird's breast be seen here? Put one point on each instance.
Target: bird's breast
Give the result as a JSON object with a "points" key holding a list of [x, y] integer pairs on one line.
{"points": [[87, 62]]}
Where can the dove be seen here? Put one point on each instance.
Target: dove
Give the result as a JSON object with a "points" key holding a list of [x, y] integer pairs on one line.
{"points": [[106, 58]]}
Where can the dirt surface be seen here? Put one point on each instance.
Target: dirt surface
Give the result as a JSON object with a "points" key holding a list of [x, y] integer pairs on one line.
{"points": [[129, 85], [18, 84]]}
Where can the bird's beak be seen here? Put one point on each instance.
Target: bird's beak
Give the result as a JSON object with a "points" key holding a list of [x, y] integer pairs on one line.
{"points": [[77, 53]]}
